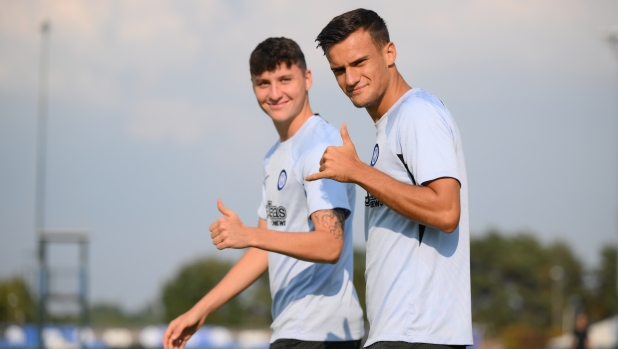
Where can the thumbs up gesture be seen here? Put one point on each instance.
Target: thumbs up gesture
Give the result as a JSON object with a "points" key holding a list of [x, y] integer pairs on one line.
{"points": [[338, 163], [229, 231]]}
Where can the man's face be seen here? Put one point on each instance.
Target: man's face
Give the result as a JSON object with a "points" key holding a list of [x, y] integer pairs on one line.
{"points": [[282, 93], [360, 68]]}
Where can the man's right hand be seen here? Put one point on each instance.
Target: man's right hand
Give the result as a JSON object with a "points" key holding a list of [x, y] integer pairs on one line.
{"points": [[181, 329], [339, 163]]}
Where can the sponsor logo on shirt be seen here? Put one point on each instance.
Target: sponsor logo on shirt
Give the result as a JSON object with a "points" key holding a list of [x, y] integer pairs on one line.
{"points": [[283, 178], [371, 201], [277, 214], [376, 153]]}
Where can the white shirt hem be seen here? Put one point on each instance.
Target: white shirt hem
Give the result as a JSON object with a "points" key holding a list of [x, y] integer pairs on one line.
{"points": [[315, 337], [419, 339]]}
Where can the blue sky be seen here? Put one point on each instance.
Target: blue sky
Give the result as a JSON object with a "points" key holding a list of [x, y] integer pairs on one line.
{"points": [[152, 118]]}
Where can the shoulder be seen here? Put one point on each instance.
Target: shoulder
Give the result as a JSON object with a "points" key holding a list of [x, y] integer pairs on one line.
{"points": [[315, 137], [270, 152], [416, 108]]}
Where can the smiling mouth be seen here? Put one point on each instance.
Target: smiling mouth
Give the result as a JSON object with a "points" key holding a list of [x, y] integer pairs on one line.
{"points": [[357, 90], [277, 105]]}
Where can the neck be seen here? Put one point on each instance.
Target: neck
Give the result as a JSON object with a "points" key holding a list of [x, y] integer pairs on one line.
{"points": [[396, 88], [288, 128]]}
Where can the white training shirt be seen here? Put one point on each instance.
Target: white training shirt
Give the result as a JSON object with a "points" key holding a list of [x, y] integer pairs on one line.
{"points": [[311, 301], [418, 284]]}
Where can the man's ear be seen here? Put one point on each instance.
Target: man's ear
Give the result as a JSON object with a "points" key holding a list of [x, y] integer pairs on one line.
{"points": [[390, 51], [308, 79]]}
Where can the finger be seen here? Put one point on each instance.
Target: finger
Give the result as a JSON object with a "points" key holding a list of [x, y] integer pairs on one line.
{"points": [[171, 342], [315, 176], [217, 240], [222, 245], [215, 233], [166, 337], [226, 211], [345, 136], [184, 342], [214, 225], [177, 343]]}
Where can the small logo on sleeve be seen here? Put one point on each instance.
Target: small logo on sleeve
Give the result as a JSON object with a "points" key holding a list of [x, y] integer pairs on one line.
{"points": [[277, 214], [283, 178], [376, 153]]}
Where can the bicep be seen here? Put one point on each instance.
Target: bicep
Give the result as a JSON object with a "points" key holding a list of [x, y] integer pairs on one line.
{"points": [[331, 220], [262, 224], [447, 191]]}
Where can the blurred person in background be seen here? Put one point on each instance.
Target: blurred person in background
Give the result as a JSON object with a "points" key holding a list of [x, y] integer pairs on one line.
{"points": [[416, 208], [580, 333], [304, 233]]}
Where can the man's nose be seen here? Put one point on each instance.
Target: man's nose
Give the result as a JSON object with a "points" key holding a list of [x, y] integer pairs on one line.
{"points": [[352, 77], [275, 92]]}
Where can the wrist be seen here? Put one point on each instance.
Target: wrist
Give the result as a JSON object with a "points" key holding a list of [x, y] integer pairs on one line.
{"points": [[203, 308], [252, 237], [359, 173]]}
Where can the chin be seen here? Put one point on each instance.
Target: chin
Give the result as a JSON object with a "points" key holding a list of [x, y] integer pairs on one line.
{"points": [[360, 102]]}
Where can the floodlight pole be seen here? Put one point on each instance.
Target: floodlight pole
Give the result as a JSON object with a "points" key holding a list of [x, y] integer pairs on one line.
{"points": [[611, 36], [40, 176]]}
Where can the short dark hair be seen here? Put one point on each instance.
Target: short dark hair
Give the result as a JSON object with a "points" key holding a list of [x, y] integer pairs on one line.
{"points": [[340, 27], [272, 52]]}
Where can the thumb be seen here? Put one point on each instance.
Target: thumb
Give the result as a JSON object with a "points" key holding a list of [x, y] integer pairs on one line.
{"points": [[345, 136], [175, 335], [226, 211]]}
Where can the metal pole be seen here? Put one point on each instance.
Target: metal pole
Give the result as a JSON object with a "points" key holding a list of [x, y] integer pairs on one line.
{"points": [[611, 36], [40, 176]]}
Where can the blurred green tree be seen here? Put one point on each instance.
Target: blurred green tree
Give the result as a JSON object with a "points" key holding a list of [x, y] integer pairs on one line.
{"points": [[16, 302], [194, 280], [603, 300], [112, 315], [512, 285]]}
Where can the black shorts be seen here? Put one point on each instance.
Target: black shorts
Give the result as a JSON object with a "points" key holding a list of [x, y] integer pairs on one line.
{"points": [[406, 345], [298, 344]]}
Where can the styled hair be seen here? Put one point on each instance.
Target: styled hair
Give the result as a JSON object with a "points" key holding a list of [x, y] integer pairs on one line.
{"points": [[272, 52], [340, 27]]}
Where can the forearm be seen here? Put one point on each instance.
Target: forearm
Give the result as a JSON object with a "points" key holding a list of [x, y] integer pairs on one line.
{"points": [[317, 246], [421, 204], [248, 269]]}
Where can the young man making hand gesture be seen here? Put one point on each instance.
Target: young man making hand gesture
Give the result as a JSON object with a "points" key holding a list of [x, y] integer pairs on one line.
{"points": [[416, 214], [304, 233]]}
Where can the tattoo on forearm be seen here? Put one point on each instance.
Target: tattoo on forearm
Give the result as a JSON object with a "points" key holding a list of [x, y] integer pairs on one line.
{"points": [[333, 220]]}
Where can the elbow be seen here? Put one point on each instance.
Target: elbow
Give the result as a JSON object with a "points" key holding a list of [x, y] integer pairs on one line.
{"points": [[332, 260], [334, 257], [449, 228], [449, 222], [334, 253]]}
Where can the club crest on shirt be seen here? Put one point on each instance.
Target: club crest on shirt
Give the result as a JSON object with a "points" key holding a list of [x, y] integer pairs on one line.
{"points": [[376, 153], [277, 214], [283, 178]]}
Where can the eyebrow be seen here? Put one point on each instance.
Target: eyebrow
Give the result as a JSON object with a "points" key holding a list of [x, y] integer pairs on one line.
{"points": [[359, 61], [354, 63]]}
